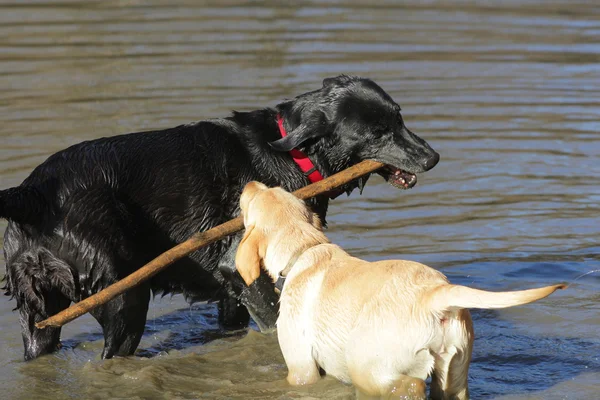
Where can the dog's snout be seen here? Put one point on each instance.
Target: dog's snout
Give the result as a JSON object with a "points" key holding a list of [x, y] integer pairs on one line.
{"points": [[432, 161]]}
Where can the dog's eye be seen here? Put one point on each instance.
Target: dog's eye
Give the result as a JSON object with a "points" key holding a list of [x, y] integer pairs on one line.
{"points": [[377, 133]]}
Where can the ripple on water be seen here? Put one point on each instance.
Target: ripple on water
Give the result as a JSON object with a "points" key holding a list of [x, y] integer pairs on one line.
{"points": [[506, 93]]}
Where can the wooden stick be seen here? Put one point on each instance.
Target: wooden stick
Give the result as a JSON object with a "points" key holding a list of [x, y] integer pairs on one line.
{"points": [[195, 242]]}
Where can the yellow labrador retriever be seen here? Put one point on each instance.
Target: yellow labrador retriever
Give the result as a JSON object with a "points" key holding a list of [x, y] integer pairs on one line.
{"points": [[383, 326]]}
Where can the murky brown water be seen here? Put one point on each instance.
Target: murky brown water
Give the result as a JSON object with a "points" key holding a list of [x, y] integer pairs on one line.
{"points": [[507, 92]]}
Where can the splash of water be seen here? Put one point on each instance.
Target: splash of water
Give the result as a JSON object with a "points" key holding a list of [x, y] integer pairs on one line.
{"points": [[584, 274]]}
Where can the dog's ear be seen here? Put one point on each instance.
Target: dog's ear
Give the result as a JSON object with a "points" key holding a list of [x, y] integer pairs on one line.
{"points": [[247, 258], [311, 128], [251, 189], [336, 81], [316, 222]]}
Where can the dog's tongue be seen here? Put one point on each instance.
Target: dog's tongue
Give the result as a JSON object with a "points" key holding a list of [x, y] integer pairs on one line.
{"points": [[401, 179]]}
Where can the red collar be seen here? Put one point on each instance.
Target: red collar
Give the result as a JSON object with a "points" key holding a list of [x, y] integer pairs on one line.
{"points": [[309, 169]]}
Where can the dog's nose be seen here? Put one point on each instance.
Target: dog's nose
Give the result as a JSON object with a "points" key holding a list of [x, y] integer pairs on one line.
{"points": [[432, 161]]}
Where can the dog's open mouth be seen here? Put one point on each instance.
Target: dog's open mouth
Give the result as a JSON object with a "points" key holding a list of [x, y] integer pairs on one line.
{"points": [[397, 177]]}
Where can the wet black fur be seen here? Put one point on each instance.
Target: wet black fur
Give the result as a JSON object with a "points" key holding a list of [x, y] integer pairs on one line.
{"points": [[95, 212]]}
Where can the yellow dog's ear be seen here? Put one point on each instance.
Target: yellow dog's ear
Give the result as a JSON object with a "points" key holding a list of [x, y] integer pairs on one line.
{"points": [[251, 189], [316, 222], [247, 258]]}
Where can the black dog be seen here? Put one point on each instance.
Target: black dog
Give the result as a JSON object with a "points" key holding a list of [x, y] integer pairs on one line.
{"points": [[93, 213]]}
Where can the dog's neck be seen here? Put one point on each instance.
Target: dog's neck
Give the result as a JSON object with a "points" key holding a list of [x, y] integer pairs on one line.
{"points": [[302, 160], [279, 267], [291, 120], [281, 277], [316, 149], [305, 163]]}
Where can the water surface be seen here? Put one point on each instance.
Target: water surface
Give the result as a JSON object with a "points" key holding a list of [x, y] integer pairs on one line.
{"points": [[507, 92]]}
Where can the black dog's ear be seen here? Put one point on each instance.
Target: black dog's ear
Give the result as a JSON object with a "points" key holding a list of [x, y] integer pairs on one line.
{"points": [[336, 80], [316, 127], [296, 137]]}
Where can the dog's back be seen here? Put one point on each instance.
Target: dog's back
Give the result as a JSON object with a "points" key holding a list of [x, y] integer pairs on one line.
{"points": [[370, 311], [126, 196], [374, 321], [93, 213]]}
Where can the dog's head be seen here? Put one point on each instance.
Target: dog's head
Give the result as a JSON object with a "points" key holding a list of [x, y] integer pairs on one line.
{"points": [[278, 224], [351, 119]]}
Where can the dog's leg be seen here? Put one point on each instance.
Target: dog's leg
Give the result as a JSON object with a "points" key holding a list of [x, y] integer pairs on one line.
{"points": [[260, 299], [123, 320], [232, 313], [405, 388], [297, 352], [450, 377], [377, 372], [379, 386], [444, 388], [109, 240]]}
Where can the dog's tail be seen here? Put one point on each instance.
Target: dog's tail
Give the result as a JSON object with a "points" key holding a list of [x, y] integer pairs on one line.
{"points": [[23, 204], [448, 297]]}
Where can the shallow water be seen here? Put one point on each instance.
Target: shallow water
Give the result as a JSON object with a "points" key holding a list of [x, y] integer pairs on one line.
{"points": [[507, 92]]}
